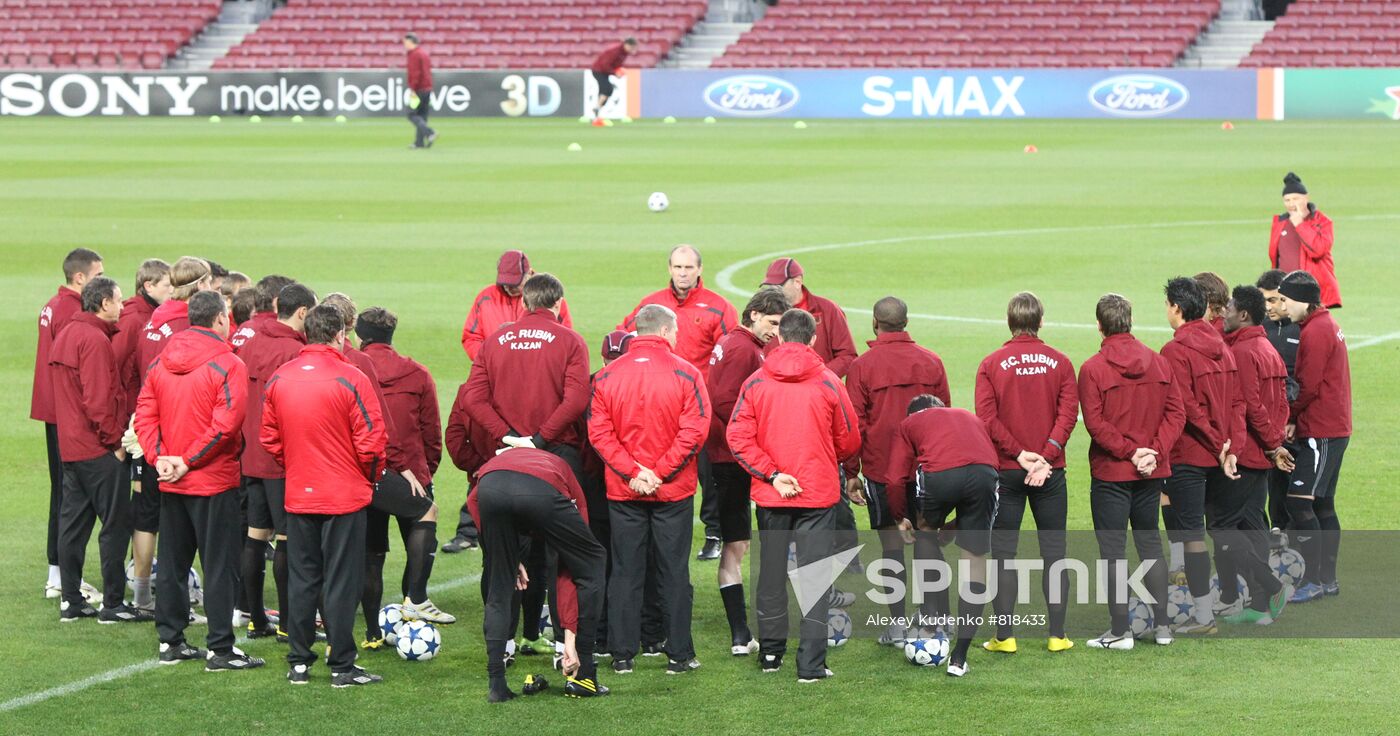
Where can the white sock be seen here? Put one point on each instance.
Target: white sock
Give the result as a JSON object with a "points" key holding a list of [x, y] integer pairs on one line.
{"points": [[1178, 553], [142, 588], [54, 577], [1205, 608]]}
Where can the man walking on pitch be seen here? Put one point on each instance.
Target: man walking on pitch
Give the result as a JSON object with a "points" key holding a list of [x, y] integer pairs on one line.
{"points": [[649, 418], [1322, 427], [1133, 412], [794, 483], [1027, 396], [323, 423], [190, 414], [605, 67], [420, 82], [1301, 240]]}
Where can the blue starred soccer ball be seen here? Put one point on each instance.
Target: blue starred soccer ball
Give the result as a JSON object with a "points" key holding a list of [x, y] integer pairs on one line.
{"points": [[838, 627], [926, 652], [419, 641]]}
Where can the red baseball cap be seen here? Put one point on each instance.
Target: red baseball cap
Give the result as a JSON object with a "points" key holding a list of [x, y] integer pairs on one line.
{"points": [[615, 343], [511, 269], [781, 270]]}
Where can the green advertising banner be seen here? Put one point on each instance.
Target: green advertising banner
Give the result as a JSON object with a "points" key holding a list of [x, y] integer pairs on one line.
{"points": [[1341, 93]]}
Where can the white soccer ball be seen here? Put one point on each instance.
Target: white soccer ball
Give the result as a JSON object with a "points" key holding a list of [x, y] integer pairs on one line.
{"points": [[1288, 566], [418, 641], [926, 652], [196, 589], [1181, 607], [838, 627], [391, 623], [545, 623], [510, 652], [1140, 620], [1241, 589], [658, 202]]}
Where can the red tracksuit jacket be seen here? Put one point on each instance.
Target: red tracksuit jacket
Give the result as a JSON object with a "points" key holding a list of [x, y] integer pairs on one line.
{"points": [[192, 405], [1315, 256], [411, 410], [1323, 407], [1205, 373], [881, 383], [493, 309], [794, 416], [322, 422], [53, 317], [169, 318], [834, 342], [126, 344], [468, 443], [610, 61], [1263, 388], [703, 317], [934, 440], [1027, 396], [274, 345], [247, 330], [735, 358], [420, 70], [549, 468], [87, 395], [650, 409], [1129, 400], [394, 458], [531, 377]]}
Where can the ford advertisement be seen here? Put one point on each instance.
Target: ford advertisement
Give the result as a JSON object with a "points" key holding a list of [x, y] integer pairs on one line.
{"points": [[950, 93]]}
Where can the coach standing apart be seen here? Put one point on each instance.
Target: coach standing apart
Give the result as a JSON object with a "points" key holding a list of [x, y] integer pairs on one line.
{"points": [[79, 267], [1301, 240], [649, 418], [1027, 396], [88, 405], [420, 81], [702, 318], [322, 422], [190, 414], [795, 484], [608, 65]]}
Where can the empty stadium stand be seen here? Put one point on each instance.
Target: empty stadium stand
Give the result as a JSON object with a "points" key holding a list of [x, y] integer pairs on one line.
{"points": [[462, 34], [1329, 33], [971, 33], [98, 34]]}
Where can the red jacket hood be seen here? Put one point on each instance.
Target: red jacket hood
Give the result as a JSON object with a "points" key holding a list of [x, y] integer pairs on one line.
{"points": [[1127, 355], [170, 311], [192, 349], [388, 364], [1200, 336], [793, 363], [1245, 333], [139, 304]]}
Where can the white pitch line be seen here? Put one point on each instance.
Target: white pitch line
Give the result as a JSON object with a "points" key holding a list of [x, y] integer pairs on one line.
{"points": [[150, 664], [725, 278]]}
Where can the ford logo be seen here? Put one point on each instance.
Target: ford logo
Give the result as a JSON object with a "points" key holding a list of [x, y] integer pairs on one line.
{"points": [[1138, 95], [751, 95]]}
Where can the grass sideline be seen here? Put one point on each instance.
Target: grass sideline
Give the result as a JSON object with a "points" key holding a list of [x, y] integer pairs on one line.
{"points": [[1103, 206]]}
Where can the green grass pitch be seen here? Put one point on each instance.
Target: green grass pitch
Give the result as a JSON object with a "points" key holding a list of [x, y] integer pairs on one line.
{"points": [[952, 217]]}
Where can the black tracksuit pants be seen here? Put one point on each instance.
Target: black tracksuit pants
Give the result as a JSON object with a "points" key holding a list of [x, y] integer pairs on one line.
{"points": [[813, 533], [55, 488], [213, 527], [92, 490], [643, 533], [1115, 507], [325, 562]]}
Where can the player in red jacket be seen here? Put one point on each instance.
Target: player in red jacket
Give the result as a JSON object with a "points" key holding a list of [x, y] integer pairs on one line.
{"points": [[737, 356], [264, 483], [955, 462], [1133, 412], [190, 414], [501, 303], [152, 290], [79, 267], [834, 342], [795, 482], [88, 407], [420, 80], [1217, 295], [1237, 518], [1301, 240], [264, 307], [1027, 396], [323, 423], [648, 420], [1203, 463], [1322, 428], [881, 383], [605, 67], [524, 491]]}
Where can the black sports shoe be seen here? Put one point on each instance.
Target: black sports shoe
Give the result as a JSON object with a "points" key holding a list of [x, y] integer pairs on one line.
{"points": [[770, 662], [355, 676], [584, 687], [654, 650], [1332, 588], [268, 630], [177, 653], [459, 544], [234, 659], [124, 614], [711, 549], [681, 667], [299, 674], [622, 666], [70, 612]]}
